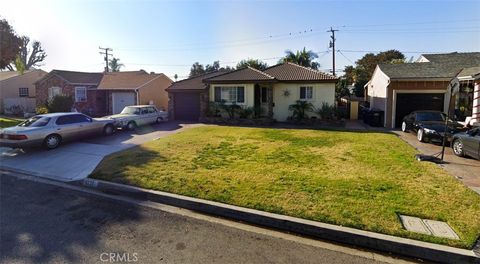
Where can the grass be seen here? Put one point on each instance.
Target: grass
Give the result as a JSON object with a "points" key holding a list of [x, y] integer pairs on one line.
{"points": [[361, 180], [8, 122]]}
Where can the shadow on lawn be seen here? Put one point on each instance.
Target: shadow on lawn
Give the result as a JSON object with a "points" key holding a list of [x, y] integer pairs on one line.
{"points": [[42, 223]]}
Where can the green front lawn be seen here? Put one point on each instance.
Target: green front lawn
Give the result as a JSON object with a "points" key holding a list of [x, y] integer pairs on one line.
{"points": [[356, 179], [8, 122]]}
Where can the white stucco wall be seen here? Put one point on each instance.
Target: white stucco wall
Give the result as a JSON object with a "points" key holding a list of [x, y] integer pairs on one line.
{"points": [[377, 89], [322, 92]]}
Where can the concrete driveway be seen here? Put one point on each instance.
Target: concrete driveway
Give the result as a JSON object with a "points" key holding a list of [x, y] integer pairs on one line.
{"points": [[465, 169], [76, 160]]}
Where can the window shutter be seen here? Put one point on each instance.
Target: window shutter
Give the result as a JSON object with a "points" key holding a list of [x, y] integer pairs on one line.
{"points": [[303, 93], [240, 94], [218, 94]]}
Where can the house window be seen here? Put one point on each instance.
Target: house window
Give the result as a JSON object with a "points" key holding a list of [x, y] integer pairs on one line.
{"points": [[306, 93], [23, 92], [80, 94], [54, 91], [230, 94]]}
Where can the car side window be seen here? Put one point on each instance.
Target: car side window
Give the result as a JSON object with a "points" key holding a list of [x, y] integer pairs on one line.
{"points": [[144, 111], [80, 119], [64, 120], [152, 110]]}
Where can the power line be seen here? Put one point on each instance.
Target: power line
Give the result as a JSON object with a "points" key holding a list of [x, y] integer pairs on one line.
{"points": [[345, 56], [413, 23]]}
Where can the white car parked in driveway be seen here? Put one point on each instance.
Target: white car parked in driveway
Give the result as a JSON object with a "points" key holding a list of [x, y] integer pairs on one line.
{"points": [[138, 115]]}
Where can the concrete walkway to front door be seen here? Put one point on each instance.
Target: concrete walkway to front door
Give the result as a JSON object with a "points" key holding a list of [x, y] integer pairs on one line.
{"points": [[75, 161]]}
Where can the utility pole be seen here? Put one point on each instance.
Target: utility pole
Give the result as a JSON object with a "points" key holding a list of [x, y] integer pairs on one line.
{"points": [[332, 45], [106, 50]]}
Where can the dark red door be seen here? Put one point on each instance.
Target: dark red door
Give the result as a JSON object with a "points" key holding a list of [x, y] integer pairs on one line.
{"points": [[187, 106]]}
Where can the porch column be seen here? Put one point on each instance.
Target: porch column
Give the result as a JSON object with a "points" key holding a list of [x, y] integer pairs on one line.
{"points": [[476, 102], [270, 101]]}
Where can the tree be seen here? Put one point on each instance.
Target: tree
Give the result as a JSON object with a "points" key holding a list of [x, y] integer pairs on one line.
{"points": [[302, 57], [175, 76], [256, 64], [29, 57], [9, 44], [365, 66], [115, 64], [196, 69], [341, 89]]}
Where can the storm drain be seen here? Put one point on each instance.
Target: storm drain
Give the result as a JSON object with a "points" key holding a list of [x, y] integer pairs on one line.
{"points": [[428, 227]]}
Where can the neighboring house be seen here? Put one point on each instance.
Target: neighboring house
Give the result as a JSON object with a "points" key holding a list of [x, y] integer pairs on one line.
{"points": [[135, 87], [17, 91], [398, 89], [470, 98], [81, 86], [189, 98], [273, 90]]}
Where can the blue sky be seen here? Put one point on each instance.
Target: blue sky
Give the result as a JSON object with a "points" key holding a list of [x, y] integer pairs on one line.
{"points": [[168, 36]]}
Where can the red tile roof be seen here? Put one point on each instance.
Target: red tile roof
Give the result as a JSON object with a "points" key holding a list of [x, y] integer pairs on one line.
{"points": [[241, 75], [293, 72], [284, 72]]}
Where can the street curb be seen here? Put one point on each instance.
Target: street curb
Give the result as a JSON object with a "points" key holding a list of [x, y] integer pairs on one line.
{"points": [[345, 235]]}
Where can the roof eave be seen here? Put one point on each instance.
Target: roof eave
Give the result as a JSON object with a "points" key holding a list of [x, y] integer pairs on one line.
{"points": [[237, 81]]}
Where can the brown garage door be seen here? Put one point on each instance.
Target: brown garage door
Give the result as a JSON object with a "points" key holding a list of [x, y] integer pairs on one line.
{"points": [[409, 102], [187, 106]]}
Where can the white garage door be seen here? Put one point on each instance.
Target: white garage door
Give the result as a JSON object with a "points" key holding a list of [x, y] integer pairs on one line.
{"points": [[120, 100]]}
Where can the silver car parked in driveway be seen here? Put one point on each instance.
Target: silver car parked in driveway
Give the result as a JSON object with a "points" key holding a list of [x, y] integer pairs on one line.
{"points": [[49, 130], [138, 115]]}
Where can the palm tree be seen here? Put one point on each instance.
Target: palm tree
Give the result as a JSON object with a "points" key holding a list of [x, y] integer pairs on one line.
{"points": [[300, 109], [115, 64], [302, 57]]}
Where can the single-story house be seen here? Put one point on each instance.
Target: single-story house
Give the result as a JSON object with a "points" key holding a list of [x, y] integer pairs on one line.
{"points": [[272, 89], [134, 88], [188, 98], [17, 91], [398, 89], [468, 99], [81, 86]]}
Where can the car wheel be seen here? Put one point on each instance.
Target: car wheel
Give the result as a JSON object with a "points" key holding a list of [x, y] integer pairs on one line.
{"points": [[108, 130], [131, 125], [420, 135], [457, 147], [52, 141], [159, 120], [404, 127]]}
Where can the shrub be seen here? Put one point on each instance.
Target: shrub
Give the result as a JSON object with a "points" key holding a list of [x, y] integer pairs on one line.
{"points": [[300, 109], [60, 103], [246, 112], [230, 109], [213, 109], [327, 111], [41, 110]]}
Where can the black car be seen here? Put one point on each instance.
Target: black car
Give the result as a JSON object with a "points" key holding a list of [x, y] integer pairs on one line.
{"points": [[467, 143], [430, 126]]}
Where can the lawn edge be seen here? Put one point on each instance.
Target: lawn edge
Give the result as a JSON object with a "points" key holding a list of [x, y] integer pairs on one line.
{"points": [[345, 235]]}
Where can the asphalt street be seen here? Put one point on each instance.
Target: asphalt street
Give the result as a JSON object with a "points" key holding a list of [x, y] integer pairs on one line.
{"points": [[44, 223]]}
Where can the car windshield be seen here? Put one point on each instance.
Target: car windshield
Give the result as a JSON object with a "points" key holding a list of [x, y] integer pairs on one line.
{"points": [[131, 111], [36, 121], [430, 116]]}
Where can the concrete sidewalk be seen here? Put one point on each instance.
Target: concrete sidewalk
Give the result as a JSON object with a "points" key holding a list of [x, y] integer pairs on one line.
{"points": [[75, 161]]}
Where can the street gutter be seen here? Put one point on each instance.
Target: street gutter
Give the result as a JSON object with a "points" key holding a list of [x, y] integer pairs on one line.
{"points": [[345, 235]]}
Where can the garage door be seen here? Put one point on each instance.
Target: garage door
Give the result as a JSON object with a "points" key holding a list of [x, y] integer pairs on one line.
{"points": [[409, 102], [120, 100], [187, 106]]}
